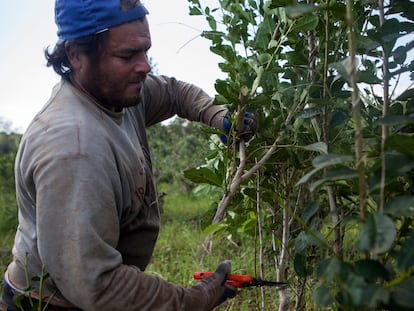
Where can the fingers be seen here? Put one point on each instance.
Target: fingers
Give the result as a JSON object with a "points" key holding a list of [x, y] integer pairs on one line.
{"points": [[250, 122], [229, 292], [224, 267], [223, 270], [249, 127]]}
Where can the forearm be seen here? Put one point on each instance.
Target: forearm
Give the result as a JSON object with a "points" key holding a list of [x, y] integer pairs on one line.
{"points": [[127, 288], [165, 97]]}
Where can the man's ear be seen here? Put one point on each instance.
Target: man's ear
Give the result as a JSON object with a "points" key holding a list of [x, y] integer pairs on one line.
{"points": [[75, 58]]}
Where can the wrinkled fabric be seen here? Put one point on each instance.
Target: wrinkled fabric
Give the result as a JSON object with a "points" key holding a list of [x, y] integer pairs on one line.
{"points": [[87, 201]]}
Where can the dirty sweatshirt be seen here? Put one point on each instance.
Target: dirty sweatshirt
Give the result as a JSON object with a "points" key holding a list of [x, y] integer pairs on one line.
{"points": [[88, 213]]}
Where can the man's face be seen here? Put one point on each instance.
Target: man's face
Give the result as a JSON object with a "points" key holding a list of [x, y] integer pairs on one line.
{"points": [[117, 77]]}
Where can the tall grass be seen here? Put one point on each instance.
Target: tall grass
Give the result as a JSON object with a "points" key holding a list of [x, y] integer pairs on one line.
{"points": [[8, 225], [179, 252]]}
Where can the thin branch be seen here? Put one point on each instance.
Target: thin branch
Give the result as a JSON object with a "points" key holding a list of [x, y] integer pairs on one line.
{"points": [[260, 231], [239, 177], [385, 105], [359, 155]]}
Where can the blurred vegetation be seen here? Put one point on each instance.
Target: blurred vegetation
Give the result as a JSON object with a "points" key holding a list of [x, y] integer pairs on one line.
{"points": [[175, 147], [8, 208]]}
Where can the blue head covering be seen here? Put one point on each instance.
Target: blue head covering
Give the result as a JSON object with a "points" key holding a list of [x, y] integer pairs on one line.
{"points": [[80, 18]]}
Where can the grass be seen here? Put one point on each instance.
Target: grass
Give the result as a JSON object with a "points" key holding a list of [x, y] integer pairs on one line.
{"points": [[179, 251], [6, 243]]}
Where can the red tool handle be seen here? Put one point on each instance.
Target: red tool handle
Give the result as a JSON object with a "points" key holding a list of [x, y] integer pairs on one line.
{"points": [[235, 280]]}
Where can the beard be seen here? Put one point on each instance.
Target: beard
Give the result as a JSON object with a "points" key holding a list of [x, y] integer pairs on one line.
{"points": [[117, 95]]}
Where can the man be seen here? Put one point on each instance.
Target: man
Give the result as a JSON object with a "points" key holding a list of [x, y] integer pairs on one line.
{"points": [[88, 214]]}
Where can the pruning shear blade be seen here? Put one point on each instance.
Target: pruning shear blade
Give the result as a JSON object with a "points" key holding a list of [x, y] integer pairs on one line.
{"points": [[240, 281], [260, 282]]}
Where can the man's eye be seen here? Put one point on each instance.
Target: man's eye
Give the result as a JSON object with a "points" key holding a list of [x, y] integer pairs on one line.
{"points": [[125, 57]]}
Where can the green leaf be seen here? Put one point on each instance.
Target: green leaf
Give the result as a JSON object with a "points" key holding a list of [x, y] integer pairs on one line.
{"points": [[299, 265], [302, 242], [202, 175], [296, 58], [278, 3], [405, 258], [400, 55], [249, 224], [323, 161], [318, 147], [400, 206], [397, 164], [341, 173], [221, 100], [371, 270], [397, 120], [407, 95], [401, 143], [195, 11], [214, 36], [402, 294], [329, 269], [366, 76], [214, 228], [334, 175], [377, 234], [306, 177], [257, 81], [306, 239], [212, 22], [18, 301], [374, 296], [295, 11], [323, 296], [306, 23], [355, 287], [309, 113], [310, 210]]}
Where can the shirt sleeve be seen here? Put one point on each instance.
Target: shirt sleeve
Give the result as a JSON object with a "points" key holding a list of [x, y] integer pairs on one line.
{"points": [[165, 97]]}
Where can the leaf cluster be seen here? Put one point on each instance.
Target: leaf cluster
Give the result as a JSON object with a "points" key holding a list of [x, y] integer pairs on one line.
{"points": [[323, 78]]}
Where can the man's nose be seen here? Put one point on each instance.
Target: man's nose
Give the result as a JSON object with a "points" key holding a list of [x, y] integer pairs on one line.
{"points": [[142, 65]]}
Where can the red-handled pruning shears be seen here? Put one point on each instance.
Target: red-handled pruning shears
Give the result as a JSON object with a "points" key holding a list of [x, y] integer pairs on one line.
{"points": [[240, 281]]}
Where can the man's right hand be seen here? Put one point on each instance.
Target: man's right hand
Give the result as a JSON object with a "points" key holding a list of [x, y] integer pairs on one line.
{"points": [[212, 290], [221, 273]]}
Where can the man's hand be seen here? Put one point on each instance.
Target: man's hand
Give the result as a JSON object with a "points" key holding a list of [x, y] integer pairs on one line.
{"points": [[211, 291], [221, 273], [249, 128]]}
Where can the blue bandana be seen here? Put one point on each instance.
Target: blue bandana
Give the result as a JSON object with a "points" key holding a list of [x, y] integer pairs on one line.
{"points": [[80, 18]]}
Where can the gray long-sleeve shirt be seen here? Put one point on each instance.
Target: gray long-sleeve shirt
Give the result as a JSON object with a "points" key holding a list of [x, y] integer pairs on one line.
{"points": [[87, 202]]}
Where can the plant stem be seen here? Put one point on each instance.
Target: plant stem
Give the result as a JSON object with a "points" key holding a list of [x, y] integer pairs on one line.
{"points": [[260, 231], [337, 245], [239, 177], [42, 275], [385, 105], [363, 189], [284, 292]]}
